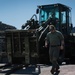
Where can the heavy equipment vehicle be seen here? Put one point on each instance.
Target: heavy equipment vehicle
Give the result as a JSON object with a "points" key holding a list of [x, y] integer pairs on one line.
{"points": [[27, 44]]}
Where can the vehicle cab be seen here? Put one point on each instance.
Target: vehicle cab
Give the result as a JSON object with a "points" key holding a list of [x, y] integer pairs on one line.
{"points": [[59, 15]]}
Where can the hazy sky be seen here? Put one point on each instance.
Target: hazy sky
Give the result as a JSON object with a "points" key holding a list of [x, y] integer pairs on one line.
{"points": [[17, 12]]}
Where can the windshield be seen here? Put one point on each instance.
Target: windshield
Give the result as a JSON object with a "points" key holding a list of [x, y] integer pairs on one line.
{"points": [[48, 12]]}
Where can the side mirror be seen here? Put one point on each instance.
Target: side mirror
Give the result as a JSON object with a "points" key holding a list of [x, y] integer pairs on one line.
{"points": [[37, 11], [71, 26]]}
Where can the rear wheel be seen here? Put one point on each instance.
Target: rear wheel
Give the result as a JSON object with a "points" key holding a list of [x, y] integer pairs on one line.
{"points": [[72, 60]]}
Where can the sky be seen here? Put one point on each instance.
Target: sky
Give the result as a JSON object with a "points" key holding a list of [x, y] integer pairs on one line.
{"points": [[17, 12]]}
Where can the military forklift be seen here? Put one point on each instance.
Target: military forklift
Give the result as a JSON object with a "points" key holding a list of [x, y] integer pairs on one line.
{"points": [[26, 46]]}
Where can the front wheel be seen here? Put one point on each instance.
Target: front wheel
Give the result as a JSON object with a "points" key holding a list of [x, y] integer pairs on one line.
{"points": [[61, 57]]}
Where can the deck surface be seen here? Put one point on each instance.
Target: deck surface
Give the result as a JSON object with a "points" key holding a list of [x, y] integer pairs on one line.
{"points": [[41, 70]]}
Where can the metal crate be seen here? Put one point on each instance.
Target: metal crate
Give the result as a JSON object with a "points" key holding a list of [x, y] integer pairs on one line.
{"points": [[21, 46]]}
